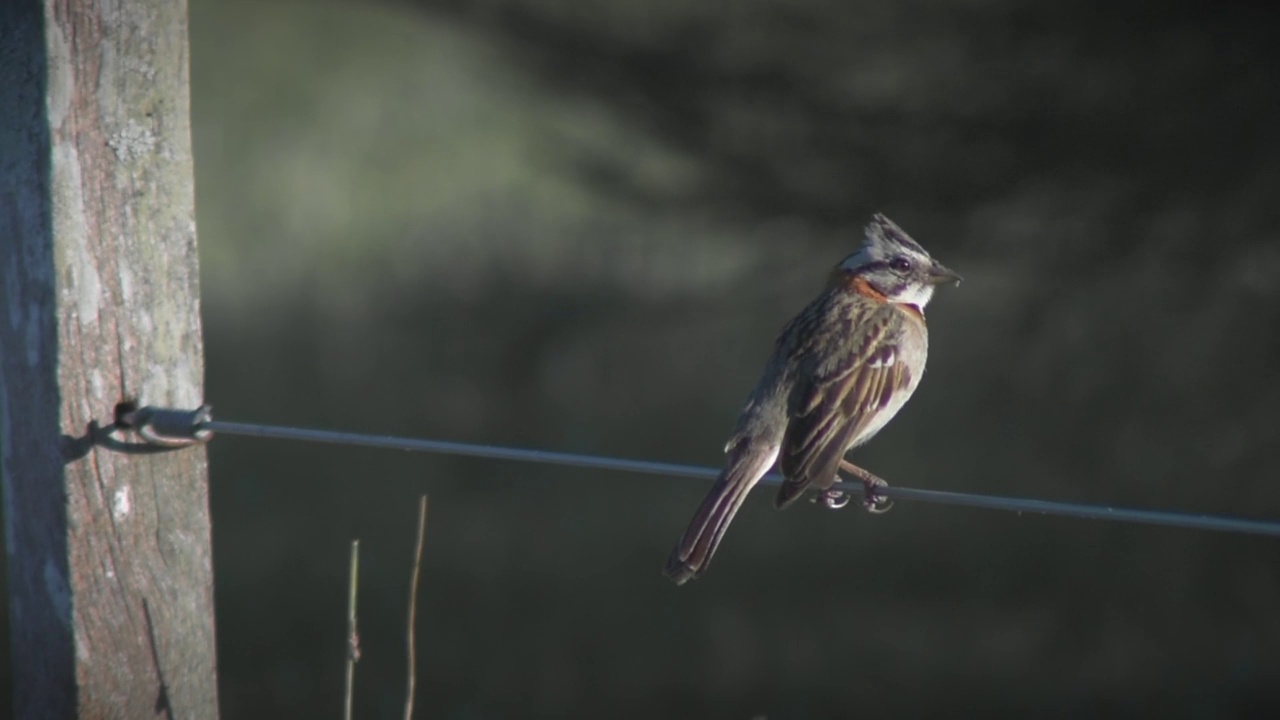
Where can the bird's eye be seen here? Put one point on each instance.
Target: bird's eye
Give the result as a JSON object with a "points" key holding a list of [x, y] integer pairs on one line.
{"points": [[900, 264]]}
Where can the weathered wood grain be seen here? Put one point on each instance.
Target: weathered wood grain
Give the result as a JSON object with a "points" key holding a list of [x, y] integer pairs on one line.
{"points": [[110, 571]]}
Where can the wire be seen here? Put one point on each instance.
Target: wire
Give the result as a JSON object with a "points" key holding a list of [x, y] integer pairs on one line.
{"points": [[1020, 505]]}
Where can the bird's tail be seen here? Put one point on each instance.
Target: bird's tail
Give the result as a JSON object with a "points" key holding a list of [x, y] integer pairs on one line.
{"points": [[747, 463]]}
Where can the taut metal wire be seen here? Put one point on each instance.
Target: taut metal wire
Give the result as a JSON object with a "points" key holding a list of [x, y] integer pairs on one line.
{"points": [[198, 424]]}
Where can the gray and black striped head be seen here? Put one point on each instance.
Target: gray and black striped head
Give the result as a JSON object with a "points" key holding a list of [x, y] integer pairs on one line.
{"points": [[895, 266]]}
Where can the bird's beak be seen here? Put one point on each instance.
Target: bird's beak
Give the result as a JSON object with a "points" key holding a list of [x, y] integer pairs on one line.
{"points": [[939, 274]]}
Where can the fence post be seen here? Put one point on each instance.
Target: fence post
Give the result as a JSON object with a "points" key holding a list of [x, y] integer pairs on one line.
{"points": [[109, 566]]}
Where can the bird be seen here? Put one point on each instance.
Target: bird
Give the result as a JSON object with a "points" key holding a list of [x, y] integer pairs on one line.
{"points": [[840, 370]]}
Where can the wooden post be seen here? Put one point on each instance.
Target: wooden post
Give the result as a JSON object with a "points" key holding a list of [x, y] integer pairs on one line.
{"points": [[109, 564]]}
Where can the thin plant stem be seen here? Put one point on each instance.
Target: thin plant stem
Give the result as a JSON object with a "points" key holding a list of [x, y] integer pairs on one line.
{"points": [[413, 605], [353, 636]]}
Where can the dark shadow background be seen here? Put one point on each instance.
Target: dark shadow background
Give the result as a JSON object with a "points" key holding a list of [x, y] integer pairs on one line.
{"points": [[578, 226]]}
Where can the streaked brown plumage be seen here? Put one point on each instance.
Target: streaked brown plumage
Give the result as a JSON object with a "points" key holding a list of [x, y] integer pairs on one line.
{"points": [[840, 370]]}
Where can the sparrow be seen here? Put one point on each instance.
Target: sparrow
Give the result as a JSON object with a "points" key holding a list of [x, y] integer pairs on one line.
{"points": [[840, 370]]}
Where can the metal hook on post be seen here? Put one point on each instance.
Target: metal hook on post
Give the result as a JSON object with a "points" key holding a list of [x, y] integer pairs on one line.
{"points": [[166, 427]]}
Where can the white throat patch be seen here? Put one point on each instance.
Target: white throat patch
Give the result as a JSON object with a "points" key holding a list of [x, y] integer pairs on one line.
{"points": [[918, 295]]}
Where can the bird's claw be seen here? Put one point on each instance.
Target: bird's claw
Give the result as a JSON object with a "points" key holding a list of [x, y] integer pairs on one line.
{"points": [[875, 502], [834, 499]]}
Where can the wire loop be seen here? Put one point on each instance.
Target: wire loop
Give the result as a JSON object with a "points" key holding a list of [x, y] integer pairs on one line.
{"points": [[167, 427]]}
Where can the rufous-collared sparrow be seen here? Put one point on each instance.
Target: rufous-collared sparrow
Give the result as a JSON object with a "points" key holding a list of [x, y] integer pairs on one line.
{"points": [[840, 370]]}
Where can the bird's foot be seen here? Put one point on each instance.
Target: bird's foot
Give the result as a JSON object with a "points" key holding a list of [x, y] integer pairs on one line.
{"points": [[874, 501], [834, 499]]}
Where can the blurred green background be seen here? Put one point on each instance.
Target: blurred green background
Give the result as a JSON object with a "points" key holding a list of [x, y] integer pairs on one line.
{"points": [[578, 226]]}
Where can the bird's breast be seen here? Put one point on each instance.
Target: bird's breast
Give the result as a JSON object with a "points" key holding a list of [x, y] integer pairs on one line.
{"points": [[909, 343], [911, 310]]}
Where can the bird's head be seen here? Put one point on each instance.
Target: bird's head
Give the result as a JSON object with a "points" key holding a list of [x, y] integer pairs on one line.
{"points": [[894, 265]]}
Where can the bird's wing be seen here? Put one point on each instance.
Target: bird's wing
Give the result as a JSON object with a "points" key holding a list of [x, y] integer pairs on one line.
{"points": [[834, 405]]}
